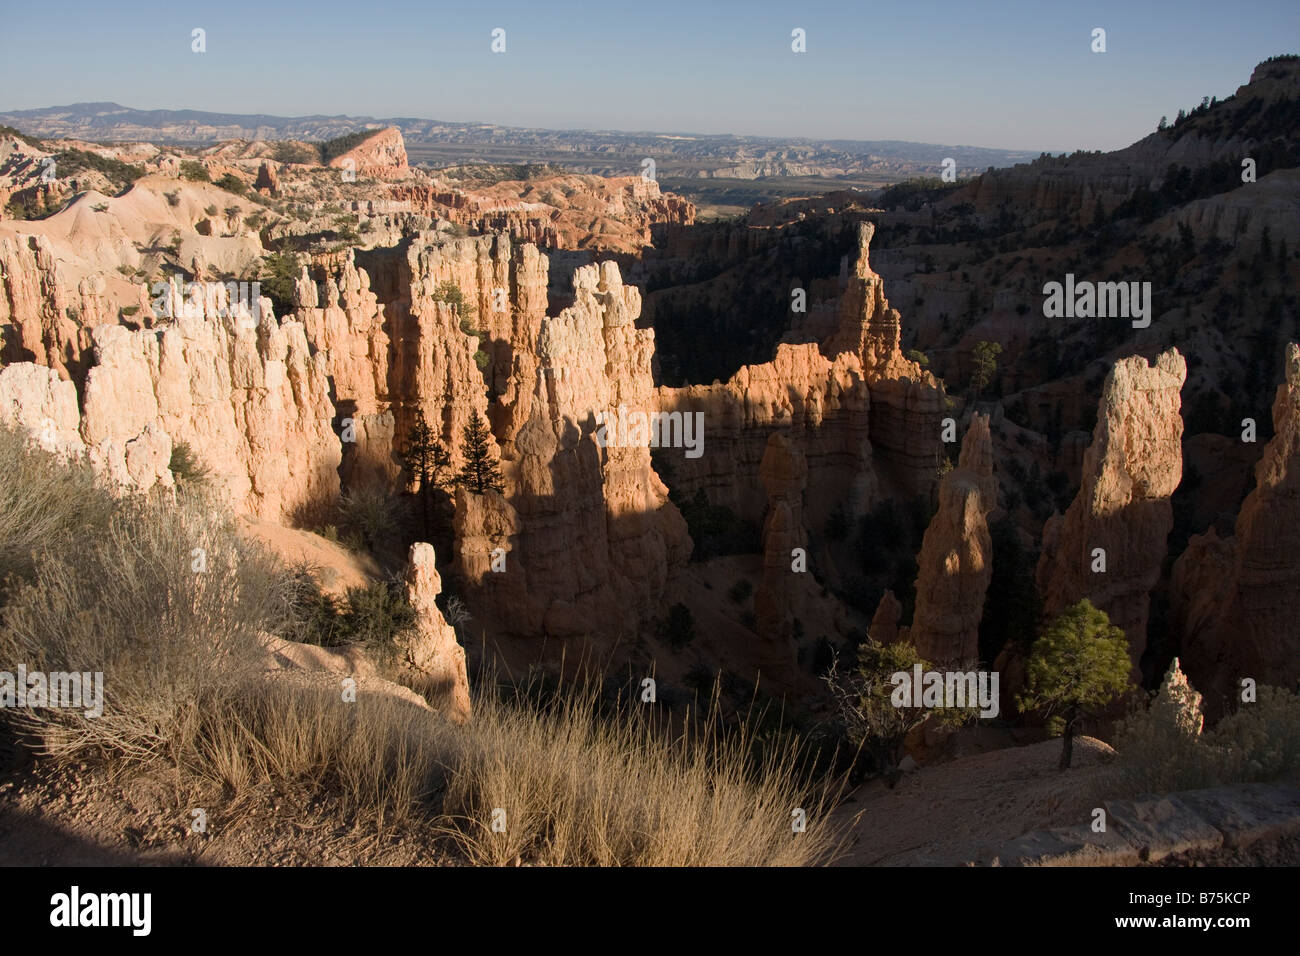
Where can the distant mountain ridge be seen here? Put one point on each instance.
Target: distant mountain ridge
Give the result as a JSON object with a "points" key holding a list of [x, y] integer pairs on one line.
{"points": [[709, 155]]}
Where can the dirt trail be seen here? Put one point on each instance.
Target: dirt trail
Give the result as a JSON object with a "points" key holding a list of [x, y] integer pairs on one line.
{"points": [[956, 812]]}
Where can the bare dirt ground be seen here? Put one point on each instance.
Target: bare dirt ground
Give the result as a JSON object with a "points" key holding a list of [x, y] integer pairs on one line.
{"points": [[77, 816], [949, 814], [956, 812]]}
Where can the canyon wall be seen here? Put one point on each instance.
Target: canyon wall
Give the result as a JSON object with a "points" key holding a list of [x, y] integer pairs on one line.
{"points": [[244, 392], [1236, 601], [594, 534]]}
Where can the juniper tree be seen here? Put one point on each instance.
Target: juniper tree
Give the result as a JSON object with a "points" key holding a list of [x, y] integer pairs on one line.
{"points": [[481, 471], [1078, 665], [865, 701]]}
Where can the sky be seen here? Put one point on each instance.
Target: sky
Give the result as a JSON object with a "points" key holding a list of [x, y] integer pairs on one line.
{"points": [[1010, 75]]}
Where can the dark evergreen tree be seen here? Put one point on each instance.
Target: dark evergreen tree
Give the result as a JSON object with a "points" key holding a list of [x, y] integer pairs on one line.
{"points": [[428, 462], [481, 471]]}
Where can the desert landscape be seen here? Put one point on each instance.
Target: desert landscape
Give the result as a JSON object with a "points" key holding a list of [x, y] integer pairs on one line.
{"points": [[405, 492]]}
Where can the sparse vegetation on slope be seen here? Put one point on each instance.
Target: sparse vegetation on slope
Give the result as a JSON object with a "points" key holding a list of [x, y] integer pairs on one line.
{"points": [[333, 148], [186, 687], [69, 162]]}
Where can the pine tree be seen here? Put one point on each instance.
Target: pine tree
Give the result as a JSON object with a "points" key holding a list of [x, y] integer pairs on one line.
{"points": [[1079, 664], [986, 366], [481, 471], [428, 463]]}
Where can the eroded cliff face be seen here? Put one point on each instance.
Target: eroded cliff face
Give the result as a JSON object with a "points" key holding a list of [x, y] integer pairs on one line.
{"points": [[344, 323], [571, 211], [1234, 600], [823, 406], [244, 393], [583, 538], [596, 535], [784, 474], [1129, 472], [35, 399], [867, 419], [39, 309], [956, 560]]}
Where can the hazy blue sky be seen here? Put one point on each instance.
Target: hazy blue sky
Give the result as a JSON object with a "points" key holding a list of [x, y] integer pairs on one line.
{"points": [[1008, 74]]}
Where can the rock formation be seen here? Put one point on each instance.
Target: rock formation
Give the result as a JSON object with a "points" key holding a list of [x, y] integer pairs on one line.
{"points": [[34, 398], [907, 403], [822, 406], [344, 323], [431, 648], [267, 181], [884, 623], [381, 156], [561, 212], [35, 304], [1234, 600], [576, 498], [1178, 704], [867, 419], [784, 474], [1129, 472], [956, 560]]}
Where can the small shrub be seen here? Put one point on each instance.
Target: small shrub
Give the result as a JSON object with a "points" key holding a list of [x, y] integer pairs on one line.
{"points": [[374, 616], [194, 171], [741, 590], [186, 466], [232, 184], [371, 514], [678, 628], [1161, 747]]}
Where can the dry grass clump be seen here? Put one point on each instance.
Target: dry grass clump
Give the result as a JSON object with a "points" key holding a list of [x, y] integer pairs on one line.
{"points": [[167, 602], [576, 788], [172, 605], [45, 502], [376, 758]]}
